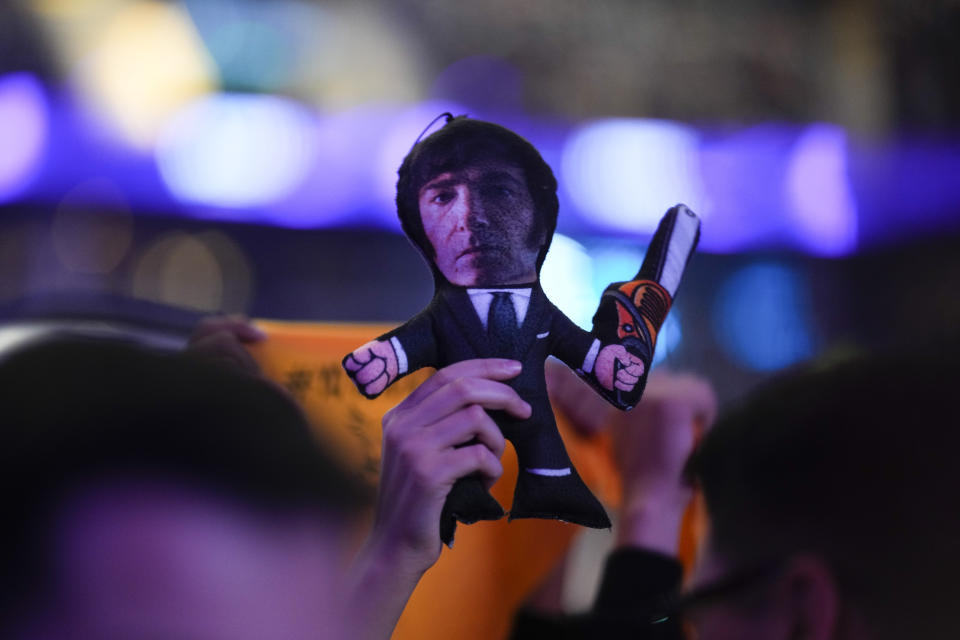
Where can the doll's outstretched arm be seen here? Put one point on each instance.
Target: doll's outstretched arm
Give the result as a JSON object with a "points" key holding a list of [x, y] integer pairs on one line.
{"points": [[610, 368], [619, 350], [631, 314], [379, 363]]}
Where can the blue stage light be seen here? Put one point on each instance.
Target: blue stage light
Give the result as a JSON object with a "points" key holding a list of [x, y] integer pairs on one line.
{"points": [[614, 262], [567, 279], [761, 317]]}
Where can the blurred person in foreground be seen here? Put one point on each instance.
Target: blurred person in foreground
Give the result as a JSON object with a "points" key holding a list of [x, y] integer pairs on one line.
{"points": [[832, 500], [151, 495], [831, 495], [156, 496]]}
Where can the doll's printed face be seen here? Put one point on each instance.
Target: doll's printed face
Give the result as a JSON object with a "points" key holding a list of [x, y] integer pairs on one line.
{"points": [[479, 221]]}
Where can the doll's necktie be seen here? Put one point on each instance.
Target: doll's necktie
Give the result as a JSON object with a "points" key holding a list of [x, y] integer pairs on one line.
{"points": [[502, 326]]}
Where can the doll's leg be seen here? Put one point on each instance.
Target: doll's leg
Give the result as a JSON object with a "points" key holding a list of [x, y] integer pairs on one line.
{"points": [[548, 485], [468, 501]]}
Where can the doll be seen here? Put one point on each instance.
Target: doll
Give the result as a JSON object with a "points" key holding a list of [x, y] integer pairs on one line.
{"points": [[480, 204]]}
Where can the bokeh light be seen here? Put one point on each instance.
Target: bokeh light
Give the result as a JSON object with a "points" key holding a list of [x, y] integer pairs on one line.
{"points": [[669, 337], [615, 263], [24, 122], [178, 269], [238, 277], [16, 337], [626, 173], [567, 280], [77, 9], [357, 54], [92, 227], [743, 171], [256, 44], [824, 212], [205, 271], [146, 63], [236, 150], [761, 317]]}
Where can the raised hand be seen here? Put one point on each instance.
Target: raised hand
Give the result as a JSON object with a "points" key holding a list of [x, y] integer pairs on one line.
{"points": [[423, 456], [372, 367], [651, 445], [222, 338], [423, 452]]}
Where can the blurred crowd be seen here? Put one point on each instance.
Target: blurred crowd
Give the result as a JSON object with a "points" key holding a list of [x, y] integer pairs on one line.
{"points": [[181, 495]]}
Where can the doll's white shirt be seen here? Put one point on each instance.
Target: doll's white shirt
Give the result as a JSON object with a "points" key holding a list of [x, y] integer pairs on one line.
{"points": [[481, 299]]}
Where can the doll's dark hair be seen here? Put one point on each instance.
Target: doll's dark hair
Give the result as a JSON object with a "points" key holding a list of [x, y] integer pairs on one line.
{"points": [[459, 143]]}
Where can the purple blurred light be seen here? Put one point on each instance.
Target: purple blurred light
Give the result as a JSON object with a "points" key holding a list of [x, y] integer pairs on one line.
{"points": [[270, 160], [906, 188], [823, 211], [340, 183], [742, 172], [24, 122]]}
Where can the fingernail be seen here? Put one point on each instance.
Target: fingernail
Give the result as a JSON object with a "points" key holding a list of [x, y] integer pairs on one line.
{"points": [[513, 366]]}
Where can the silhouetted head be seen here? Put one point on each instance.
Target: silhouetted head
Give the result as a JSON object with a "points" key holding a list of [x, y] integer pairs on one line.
{"points": [[151, 495], [835, 489]]}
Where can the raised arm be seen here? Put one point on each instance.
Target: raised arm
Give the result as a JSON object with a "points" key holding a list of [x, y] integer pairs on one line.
{"points": [[651, 446], [439, 433]]}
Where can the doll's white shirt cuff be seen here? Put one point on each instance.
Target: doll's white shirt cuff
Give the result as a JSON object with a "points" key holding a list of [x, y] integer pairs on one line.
{"points": [[401, 355], [591, 358]]}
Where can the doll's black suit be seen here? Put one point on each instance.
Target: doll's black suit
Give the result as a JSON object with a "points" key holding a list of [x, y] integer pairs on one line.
{"points": [[448, 331]]}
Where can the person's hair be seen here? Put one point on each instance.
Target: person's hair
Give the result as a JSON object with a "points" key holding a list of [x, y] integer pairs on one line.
{"points": [[457, 145], [76, 412], [857, 463]]}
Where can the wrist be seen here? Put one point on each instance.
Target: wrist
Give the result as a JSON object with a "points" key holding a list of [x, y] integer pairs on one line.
{"points": [[380, 582], [652, 522], [396, 557]]}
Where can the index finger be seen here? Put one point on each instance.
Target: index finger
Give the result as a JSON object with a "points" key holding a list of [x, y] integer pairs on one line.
{"points": [[490, 368]]}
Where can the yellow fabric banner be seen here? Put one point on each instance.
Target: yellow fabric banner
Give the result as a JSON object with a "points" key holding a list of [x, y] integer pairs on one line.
{"points": [[472, 592]]}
